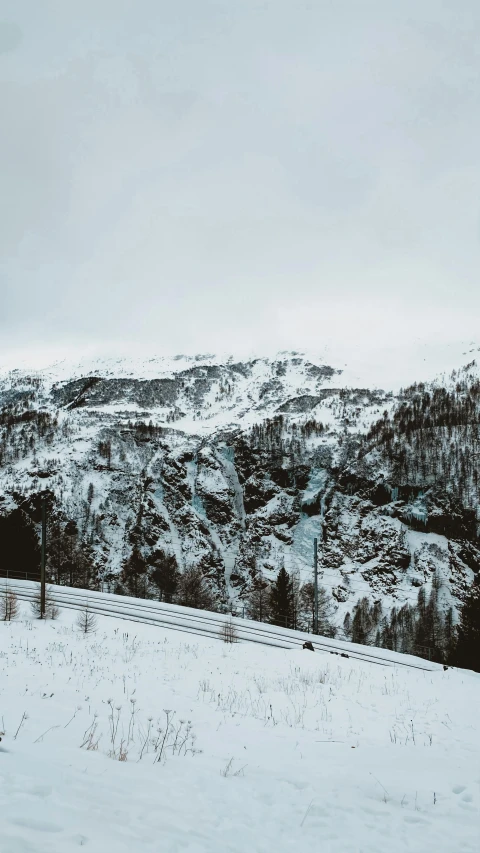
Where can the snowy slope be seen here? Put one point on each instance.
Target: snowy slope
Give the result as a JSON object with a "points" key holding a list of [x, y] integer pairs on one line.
{"points": [[203, 623], [265, 749]]}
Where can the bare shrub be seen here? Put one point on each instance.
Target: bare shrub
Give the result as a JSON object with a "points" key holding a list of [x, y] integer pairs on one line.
{"points": [[169, 736], [86, 621], [193, 590], [90, 740], [229, 632], [8, 605], [122, 751], [24, 717], [229, 770], [52, 610], [174, 736]]}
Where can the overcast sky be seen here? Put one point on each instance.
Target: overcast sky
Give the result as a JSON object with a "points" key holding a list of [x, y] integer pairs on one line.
{"points": [[202, 175]]}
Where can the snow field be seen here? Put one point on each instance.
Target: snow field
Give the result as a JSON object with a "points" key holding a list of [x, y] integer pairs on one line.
{"points": [[261, 750]]}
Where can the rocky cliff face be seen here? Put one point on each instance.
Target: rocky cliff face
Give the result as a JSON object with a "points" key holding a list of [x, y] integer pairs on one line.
{"points": [[235, 468]]}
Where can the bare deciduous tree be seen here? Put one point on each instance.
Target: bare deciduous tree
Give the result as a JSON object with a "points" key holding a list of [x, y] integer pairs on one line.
{"points": [[258, 601], [193, 590], [51, 608], [229, 632], [86, 621], [8, 605]]}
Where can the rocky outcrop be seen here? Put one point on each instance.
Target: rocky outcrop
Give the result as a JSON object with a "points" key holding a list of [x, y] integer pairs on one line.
{"points": [[235, 468]]}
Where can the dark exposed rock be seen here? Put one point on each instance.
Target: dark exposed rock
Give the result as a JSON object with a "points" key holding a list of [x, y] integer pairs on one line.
{"points": [[237, 502]]}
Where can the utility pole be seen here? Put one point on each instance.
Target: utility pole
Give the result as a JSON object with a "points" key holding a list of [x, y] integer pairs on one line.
{"points": [[315, 585], [42, 564]]}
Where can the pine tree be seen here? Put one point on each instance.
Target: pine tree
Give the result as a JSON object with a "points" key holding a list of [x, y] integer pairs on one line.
{"points": [[384, 636], [421, 625], [429, 622], [435, 620], [406, 629], [467, 650], [363, 622], [281, 600], [449, 636], [134, 568], [69, 560], [164, 574]]}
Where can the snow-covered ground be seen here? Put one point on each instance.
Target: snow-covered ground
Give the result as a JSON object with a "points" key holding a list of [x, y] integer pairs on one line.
{"points": [[266, 750]]}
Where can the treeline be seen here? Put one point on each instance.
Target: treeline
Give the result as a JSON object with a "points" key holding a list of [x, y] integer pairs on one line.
{"points": [[433, 437], [312, 427], [284, 602], [288, 603], [143, 431], [268, 435], [273, 433], [423, 410], [158, 576], [20, 430], [69, 560], [423, 629], [13, 415]]}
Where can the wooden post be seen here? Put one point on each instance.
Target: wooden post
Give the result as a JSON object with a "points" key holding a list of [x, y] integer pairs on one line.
{"points": [[42, 565]]}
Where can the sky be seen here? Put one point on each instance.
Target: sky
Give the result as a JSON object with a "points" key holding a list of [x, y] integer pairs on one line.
{"points": [[206, 175]]}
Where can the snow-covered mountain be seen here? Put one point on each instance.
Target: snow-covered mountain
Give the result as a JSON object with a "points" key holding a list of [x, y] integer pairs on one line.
{"points": [[235, 466]]}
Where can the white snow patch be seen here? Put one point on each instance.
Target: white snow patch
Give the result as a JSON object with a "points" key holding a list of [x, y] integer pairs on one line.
{"points": [[292, 749]]}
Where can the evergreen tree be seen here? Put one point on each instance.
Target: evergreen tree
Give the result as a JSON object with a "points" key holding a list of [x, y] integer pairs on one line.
{"points": [[347, 626], [363, 622], [429, 622], [69, 560], [281, 600], [406, 629], [164, 574], [388, 634], [467, 651], [133, 570], [421, 625], [65, 556], [449, 636]]}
